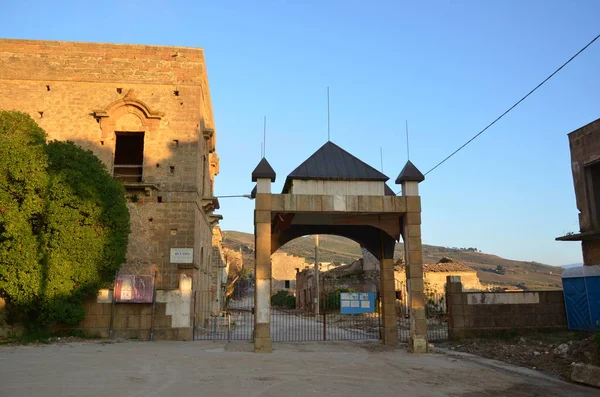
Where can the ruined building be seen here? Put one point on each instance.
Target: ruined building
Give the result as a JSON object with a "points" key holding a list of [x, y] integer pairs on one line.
{"points": [[585, 165], [145, 111]]}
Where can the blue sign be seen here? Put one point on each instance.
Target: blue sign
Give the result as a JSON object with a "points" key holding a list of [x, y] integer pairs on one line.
{"points": [[357, 302]]}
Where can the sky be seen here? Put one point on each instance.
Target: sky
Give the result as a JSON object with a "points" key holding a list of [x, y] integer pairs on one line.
{"points": [[447, 67]]}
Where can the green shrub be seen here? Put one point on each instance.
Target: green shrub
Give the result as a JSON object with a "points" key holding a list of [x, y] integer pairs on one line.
{"points": [[64, 224], [284, 299]]}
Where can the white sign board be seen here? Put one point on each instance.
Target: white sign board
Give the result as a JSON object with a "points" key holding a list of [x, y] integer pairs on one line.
{"points": [[182, 255]]}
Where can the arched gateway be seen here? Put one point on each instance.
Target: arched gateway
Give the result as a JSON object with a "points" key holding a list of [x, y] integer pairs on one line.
{"points": [[333, 192]]}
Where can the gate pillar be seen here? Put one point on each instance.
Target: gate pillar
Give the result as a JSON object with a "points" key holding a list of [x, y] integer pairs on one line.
{"points": [[388, 302], [410, 177], [263, 175]]}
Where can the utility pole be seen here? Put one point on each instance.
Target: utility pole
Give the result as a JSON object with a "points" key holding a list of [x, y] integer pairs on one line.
{"points": [[318, 292]]}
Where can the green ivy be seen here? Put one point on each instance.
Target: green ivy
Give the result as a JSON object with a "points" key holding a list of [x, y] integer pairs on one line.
{"points": [[64, 224]]}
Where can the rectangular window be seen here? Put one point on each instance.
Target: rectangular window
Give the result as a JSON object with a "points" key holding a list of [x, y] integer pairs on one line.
{"points": [[129, 156], [287, 284]]}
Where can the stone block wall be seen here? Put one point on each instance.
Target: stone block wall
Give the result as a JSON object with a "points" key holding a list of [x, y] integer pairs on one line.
{"points": [[283, 267], [477, 314], [89, 92]]}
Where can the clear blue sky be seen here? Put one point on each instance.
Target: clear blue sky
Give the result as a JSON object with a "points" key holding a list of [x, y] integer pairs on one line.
{"points": [[448, 67]]}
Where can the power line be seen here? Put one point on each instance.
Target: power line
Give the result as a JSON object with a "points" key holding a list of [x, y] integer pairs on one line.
{"points": [[515, 105]]}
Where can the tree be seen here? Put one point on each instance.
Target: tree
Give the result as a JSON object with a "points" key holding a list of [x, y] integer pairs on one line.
{"points": [[64, 224], [236, 272], [500, 269]]}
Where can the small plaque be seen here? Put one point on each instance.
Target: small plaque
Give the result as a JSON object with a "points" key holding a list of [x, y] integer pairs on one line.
{"points": [[182, 255]]}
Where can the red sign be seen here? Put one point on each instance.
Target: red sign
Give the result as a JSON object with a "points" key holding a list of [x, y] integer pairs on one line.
{"points": [[132, 288]]}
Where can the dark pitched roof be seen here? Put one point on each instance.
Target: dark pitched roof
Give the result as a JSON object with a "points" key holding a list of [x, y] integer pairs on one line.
{"points": [[331, 162], [388, 191], [253, 193], [410, 173], [263, 170]]}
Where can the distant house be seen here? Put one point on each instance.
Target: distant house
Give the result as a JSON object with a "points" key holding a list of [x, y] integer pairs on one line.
{"points": [[584, 144], [363, 276], [283, 272], [434, 276]]}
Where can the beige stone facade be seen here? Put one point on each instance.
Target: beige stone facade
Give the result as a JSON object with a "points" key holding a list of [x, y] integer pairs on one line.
{"points": [[284, 272], [434, 277], [151, 101]]}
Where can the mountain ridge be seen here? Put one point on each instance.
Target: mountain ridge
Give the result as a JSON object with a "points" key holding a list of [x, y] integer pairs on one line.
{"points": [[491, 269]]}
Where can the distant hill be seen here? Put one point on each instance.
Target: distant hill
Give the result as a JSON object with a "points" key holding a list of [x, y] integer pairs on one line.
{"points": [[571, 265], [491, 269]]}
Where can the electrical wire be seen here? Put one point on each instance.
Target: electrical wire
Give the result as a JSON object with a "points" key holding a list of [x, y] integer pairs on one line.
{"points": [[515, 105]]}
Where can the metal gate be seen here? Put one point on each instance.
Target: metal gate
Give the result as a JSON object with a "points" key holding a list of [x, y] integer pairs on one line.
{"points": [[234, 322], [435, 314], [298, 324]]}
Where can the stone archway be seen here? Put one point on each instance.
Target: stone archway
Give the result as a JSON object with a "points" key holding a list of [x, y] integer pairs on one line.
{"points": [[370, 216]]}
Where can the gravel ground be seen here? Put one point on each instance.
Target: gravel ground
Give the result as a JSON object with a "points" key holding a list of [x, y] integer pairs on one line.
{"points": [[127, 368]]}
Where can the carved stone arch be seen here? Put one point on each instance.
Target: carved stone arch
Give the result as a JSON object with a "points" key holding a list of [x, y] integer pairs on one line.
{"points": [[127, 114]]}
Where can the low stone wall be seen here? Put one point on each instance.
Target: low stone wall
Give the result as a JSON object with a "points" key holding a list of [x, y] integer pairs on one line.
{"points": [[135, 320], [476, 314]]}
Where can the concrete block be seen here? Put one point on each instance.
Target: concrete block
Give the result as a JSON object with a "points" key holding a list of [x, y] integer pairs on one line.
{"points": [[390, 335], [93, 308], [375, 203], [303, 202], [363, 204], [418, 344], [133, 321], [412, 218], [89, 321], [327, 204], [415, 270], [262, 330], [412, 231], [289, 202], [388, 204], [263, 202], [277, 202], [400, 204], [586, 374], [413, 204], [416, 285], [352, 204], [316, 203], [415, 258], [106, 308], [263, 345], [103, 321], [183, 334], [262, 216], [420, 327]]}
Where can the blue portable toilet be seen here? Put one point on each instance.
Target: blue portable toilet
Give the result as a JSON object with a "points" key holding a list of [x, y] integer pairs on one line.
{"points": [[581, 289]]}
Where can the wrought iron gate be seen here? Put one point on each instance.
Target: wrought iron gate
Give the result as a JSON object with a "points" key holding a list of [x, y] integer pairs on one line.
{"points": [[234, 322], [435, 313], [297, 324]]}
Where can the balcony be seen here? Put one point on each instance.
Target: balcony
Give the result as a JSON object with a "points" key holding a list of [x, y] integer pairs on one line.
{"points": [[128, 173]]}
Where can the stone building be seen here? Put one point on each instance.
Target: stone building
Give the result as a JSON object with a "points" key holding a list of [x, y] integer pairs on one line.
{"points": [[145, 111], [435, 274], [284, 269], [584, 144]]}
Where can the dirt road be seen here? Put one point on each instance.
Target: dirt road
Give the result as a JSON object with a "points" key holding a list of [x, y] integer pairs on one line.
{"points": [[145, 369]]}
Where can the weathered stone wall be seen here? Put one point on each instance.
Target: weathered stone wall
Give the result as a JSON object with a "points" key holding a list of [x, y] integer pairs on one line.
{"points": [[585, 149], [475, 314], [85, 92], [436, 281], [283, 267]]}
